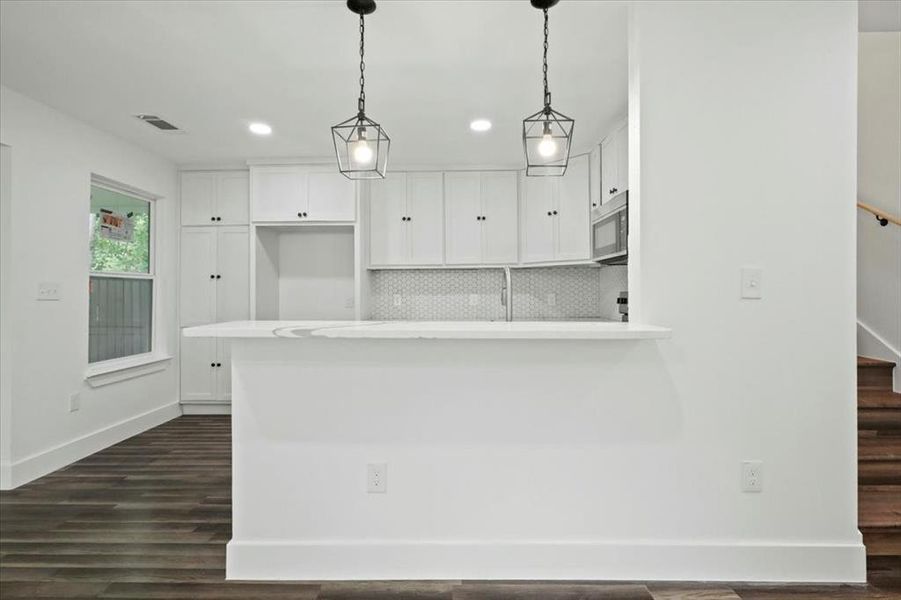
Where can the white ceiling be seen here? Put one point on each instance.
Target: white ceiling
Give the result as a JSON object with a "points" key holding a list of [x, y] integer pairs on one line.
{"points": [[212, 67]]}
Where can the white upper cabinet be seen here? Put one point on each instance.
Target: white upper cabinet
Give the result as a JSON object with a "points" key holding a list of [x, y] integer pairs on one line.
{"points": [[331, 196], [481, 217], [594, 177], [406, 220], [425, 218], [555, 220], [214, 197], [572, 213], [295, 194], [387, 220], [538, 225], [615, 163]]}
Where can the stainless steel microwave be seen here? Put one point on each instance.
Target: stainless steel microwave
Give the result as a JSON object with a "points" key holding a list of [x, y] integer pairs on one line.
{"points": [[610, 232]]}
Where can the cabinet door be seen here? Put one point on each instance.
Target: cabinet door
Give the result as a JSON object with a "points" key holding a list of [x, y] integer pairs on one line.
{"points": [[463, 218], [330, 196], [198, 375], [278, 194], [387, 230], [609, 171], [499, 227], [425, 218], [223, 370], [594, 177], [233, 268], [537, 219], [198, 198], [233, 197], [622, 159], [573, 212], [198, 271]]}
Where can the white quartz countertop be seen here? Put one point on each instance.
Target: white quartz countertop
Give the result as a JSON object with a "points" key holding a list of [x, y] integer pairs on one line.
{"points": [[447, 330]]}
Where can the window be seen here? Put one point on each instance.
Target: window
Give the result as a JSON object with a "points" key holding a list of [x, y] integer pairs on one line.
{"points": [[120, 321]]}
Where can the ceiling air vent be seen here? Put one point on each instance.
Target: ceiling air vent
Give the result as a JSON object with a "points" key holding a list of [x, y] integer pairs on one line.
{"points": [[159, 123]]}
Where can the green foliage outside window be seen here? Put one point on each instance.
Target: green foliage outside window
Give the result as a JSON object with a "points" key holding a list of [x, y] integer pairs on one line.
{"points": [[120, 256]]}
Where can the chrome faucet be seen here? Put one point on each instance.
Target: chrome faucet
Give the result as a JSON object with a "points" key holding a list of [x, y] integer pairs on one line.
{"points": [[507, 293]]}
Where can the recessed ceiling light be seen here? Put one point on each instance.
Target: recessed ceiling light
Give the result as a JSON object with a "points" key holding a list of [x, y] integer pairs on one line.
{"points": [[480, 125], [260, 128]]}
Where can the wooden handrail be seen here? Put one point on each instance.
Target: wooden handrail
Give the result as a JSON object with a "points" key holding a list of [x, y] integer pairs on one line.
{"points": [[881, 216]]}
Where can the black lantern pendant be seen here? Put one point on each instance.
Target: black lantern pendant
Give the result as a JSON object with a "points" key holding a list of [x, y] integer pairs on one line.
{"points": [[546, 135], [361, 144]]}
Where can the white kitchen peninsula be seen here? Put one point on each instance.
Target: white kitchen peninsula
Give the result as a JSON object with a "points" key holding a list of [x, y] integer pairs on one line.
{"points": [[495, 437]]}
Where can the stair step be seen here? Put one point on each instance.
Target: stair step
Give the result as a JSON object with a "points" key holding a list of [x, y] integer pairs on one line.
{"points": [[875, 420], [879, 506], [881, 448], [877, 398], [874, 373], [882, 541], [876, 472]]}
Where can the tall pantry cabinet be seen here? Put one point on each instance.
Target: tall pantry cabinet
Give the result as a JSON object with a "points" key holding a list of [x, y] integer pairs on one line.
{"points": [[214, 281]]}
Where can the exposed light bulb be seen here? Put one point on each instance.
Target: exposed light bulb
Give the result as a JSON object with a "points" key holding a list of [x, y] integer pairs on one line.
{"points": [[260, 128], [547, 147], [362, 152]]}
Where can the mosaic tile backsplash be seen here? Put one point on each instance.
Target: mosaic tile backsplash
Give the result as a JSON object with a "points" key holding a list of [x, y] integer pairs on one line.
{"points": [[475, 294]]}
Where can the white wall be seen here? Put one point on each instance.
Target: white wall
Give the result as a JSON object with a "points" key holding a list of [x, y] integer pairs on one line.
{"points": [[743, 152], [54, 157], [879, 184]]}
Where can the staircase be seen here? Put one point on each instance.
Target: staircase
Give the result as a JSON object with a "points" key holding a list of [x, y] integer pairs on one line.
{"points": [[879, 462]]}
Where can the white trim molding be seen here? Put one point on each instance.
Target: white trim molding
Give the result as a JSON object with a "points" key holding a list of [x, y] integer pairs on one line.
{"points": [[41, 463], [120, 369], [550, 560]]}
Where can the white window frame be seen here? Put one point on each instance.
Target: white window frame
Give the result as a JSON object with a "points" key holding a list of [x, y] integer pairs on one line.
{"points": [[125, 367]]}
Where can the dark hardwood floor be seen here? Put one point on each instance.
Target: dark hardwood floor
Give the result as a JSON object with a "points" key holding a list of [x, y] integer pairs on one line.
{"points": [[149, 518]]}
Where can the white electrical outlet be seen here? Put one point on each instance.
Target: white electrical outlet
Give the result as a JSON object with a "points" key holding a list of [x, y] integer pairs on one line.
{"points": [[74, 402], [473, 299], [752, 476], [377, 478], [552, 299], [48, 290], [398, 300], [751, 283]]}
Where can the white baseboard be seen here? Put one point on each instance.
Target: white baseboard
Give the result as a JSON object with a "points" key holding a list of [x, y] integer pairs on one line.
{"points": [[37, 465], [206, 408], [601, 561]]}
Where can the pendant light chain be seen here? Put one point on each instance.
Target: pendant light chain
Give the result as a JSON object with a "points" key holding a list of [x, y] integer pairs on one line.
{"points": [[547, 93], [361, 103]]}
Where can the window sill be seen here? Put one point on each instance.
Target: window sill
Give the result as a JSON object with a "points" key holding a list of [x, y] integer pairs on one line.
{"points": [[121, 369]]}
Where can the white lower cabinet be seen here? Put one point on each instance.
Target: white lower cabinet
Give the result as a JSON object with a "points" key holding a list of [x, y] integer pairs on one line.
{"points": [[205, 370], [555, 216]]}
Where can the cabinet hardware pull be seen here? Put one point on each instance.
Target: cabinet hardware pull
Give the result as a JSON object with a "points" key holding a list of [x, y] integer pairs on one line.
{"points": [[218, 276], [212, 276], [304, 214], [594, 203], [212, 218], [548, 213], [483, 217], [218, 218], [299, 214], [212, 364], [218, 364], [409, 218], [555, 212]]}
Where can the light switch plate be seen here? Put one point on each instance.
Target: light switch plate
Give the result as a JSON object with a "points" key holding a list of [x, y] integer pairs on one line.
{"points": [[752, 476], [48, 290], [752, 283], [377, 478]]}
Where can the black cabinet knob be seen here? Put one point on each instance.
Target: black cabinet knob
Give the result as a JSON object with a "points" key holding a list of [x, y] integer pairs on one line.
{"points": [[555, 212], [212, 277], [218, 276], [409, 218], [483, 217], [594, 203], [548, 213], [218, 218], [212, 364], [304, 214], [299, 214], [218, 364], [212, 218]]}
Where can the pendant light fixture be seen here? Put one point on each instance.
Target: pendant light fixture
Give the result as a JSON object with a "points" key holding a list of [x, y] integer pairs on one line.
{"points": [[361, 144], [546, 135]]}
